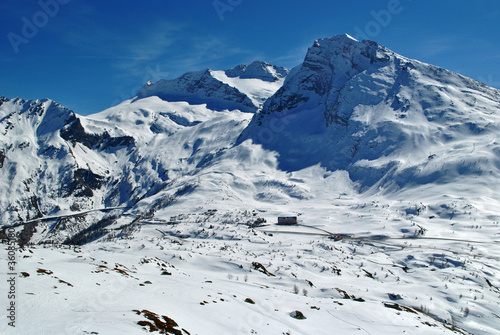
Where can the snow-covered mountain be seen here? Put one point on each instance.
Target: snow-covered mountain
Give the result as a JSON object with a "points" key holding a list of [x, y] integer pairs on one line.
{"points": [[111, 158], [384, 118], [391, 165], [222, 89]]}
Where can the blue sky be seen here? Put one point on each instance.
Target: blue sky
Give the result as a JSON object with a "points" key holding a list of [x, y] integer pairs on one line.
{"points": [[90, 55]]}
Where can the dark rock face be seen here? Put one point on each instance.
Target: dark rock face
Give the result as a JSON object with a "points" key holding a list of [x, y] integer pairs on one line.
{"points": [[297, 315], [2, 157], [286, 100], [83, 183], [236, 71], [74, 132], [2, 100]]}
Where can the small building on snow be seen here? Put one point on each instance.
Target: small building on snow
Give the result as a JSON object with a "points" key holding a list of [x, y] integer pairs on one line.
{"points": [[287, 220]]}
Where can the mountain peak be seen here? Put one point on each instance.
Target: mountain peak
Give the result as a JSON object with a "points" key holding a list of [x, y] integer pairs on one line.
{"points": [[258, 70], [221, 89], [199, 87], [342, 38], [328, 65]]}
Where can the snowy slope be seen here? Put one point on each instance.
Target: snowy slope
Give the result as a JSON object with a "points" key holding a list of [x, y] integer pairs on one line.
{"points": [[390, 164], [108, 159], [256, 89]]}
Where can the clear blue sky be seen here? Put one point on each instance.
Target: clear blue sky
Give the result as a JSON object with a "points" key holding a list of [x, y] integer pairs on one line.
{"points": [[89, 55]]}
